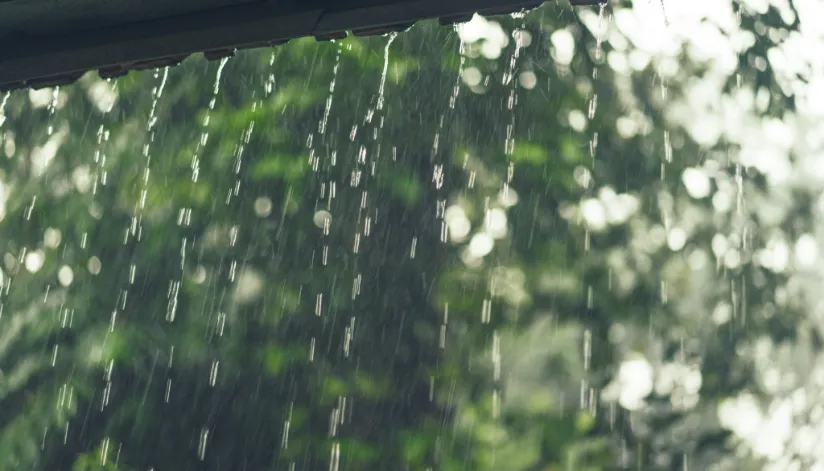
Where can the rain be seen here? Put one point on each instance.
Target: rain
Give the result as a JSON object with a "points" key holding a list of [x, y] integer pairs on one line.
{"points": [[579, 238]]}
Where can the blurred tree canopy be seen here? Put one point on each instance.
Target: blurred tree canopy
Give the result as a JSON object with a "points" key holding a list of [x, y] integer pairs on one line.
{"points": [[565, 240]]}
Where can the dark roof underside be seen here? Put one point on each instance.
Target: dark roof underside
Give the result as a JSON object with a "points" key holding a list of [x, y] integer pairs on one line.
{"points": [[52, 42]]}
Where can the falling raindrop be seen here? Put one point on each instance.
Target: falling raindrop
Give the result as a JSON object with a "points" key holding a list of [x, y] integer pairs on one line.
{"points": [[512, 99], [456, 89], [486, 311], [664, 87], [334, 460], [3, 102], [203, 441], [52, 109], [593, 106], [328, 106], [213, 373], [739, 189], [599, 38], [204, 135], [389, 42], [157, 92]]}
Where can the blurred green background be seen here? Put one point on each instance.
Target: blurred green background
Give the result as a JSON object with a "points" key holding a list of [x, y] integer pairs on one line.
{"points": [[566, 240]]}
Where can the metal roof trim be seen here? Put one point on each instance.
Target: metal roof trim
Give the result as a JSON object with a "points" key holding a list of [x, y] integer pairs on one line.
{"points": [[48, 60]]}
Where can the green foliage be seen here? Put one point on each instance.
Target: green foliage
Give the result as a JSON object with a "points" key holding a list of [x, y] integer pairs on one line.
{"points": [[261, 285]]}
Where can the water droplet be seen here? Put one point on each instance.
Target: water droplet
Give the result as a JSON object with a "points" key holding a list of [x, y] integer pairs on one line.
{"points": [[203, 441]]}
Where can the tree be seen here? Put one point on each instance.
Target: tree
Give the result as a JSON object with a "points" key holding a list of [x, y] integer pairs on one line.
{"points": [[430, 251]]}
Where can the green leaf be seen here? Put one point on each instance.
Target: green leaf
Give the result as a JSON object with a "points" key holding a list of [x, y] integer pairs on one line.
{"points": [[530, 153], [279, 167], [275, 360]]}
